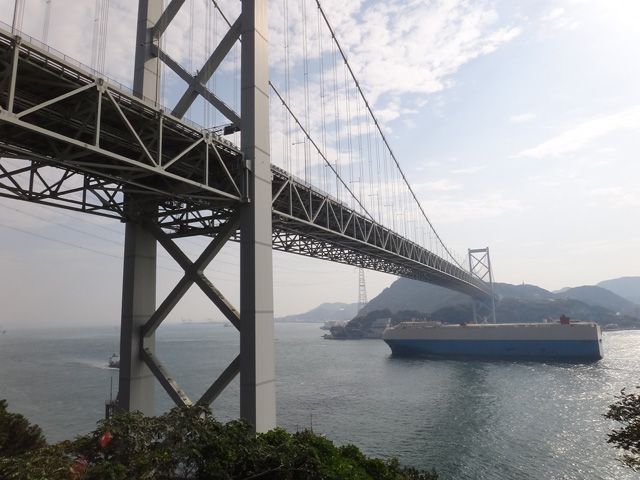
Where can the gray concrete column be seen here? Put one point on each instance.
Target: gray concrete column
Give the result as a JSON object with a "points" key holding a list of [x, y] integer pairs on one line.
{"points": [[257, 352], [146, 70], [137, 382]]}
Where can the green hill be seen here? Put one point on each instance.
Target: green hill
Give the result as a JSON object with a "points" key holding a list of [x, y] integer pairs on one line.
{"points": [[406, 294], [323, 313], [519, 303], [626, 287], [600, 297], [610, 303]]}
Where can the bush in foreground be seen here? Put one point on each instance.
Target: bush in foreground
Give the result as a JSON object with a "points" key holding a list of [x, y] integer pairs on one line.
{"points": [[17, 435], [626, 410], [188, 443]]}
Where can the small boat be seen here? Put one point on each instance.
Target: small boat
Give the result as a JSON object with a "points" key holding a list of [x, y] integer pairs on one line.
{"points": [[114, 361]]}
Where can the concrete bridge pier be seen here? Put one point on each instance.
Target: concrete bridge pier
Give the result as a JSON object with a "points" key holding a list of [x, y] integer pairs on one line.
{"points": [[137, 382], [257, 364]]}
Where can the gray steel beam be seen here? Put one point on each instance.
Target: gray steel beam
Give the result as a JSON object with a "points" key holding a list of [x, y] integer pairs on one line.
{"points": [[221, 383], [257, 356], [14, 71], [197, 87], [208, 70], [167, 16], [193, 274], [170, 385]]}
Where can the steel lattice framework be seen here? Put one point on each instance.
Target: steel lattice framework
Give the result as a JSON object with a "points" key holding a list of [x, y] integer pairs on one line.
{"points": [[87, 143]]}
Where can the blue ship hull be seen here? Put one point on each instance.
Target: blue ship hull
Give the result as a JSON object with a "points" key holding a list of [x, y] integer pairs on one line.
{"points": [[526, 349]]}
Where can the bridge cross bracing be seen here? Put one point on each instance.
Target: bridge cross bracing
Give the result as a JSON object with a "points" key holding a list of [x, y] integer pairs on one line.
{"points": [[71, 138]]}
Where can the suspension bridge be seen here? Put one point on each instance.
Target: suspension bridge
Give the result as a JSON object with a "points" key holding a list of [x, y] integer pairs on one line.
{"points": [[302, 166]]}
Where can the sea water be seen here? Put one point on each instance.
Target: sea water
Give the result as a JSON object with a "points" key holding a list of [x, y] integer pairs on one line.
{"points": [[466, 419]]}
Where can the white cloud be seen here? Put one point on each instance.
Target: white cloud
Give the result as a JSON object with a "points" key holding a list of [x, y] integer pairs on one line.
{"points": [[428, 165], [393, 111], [557, 18], [468, 170], [607, 150], [438, 186], [445, 211], [575, 138], [608, 247], [616, 197], [522, 118], [401, 49], [553, 14]]}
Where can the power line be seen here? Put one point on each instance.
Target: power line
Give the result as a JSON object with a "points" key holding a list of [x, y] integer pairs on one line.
{"points": [[22, 212], [69, 244]]}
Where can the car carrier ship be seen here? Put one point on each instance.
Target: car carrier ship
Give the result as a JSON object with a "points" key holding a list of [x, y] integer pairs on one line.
{"points": [[563, 340]]}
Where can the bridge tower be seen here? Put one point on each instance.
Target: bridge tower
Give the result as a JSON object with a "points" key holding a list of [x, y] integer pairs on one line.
{"points": [[251, 219], [484, 309]]}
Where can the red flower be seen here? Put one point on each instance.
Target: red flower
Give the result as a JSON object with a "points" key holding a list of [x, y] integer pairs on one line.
{"points": [[105, 439]]}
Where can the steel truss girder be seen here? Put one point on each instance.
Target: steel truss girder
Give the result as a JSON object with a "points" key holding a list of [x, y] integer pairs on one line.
{"points": [[64, 117], [164, 160], [309, 222], [36, 181]]}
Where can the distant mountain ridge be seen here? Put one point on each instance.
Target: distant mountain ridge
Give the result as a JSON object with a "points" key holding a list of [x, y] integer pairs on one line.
{"points": [[520, 303], [406, 294], [323, 313], [626, 287], [598, 296], [522, 291]]}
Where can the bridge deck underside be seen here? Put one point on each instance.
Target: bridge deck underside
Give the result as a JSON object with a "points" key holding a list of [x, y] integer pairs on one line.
{"points": [[80, 143], [311, 223]]}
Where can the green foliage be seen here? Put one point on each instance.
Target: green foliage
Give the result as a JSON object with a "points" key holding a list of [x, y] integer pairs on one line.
{"points": [[626, 410], [17, 435], [21, 440], [357, 327], [24, 453], [188, 443], [49, 462]]}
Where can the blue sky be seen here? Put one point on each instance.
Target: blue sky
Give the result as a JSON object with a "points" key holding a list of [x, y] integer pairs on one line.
{"points": [[517, 123]]}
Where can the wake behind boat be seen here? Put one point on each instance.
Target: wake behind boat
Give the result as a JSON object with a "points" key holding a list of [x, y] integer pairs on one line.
{"points": [[566, 339]]}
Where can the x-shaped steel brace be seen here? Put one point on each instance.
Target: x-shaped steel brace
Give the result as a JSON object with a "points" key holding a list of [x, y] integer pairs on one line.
{"points": [[193, 274]]}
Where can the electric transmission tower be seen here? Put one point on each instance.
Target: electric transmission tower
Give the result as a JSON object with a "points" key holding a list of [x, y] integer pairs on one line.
{"points": [[362, 291]]}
